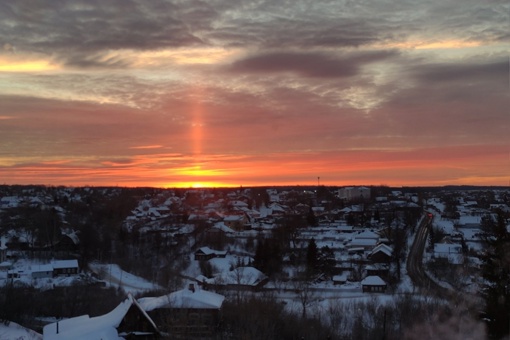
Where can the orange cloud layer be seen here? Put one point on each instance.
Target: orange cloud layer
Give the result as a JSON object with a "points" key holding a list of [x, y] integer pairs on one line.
{"points": [[434, 166]]}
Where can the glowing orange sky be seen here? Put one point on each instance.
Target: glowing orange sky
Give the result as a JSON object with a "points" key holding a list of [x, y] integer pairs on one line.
{"points": [[182, 96]]}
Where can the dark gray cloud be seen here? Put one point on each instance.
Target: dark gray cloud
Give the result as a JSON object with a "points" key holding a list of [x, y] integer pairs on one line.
{"points": [[310, 64], [81, 32], [299, 32], [495, 72], [449, 103]]}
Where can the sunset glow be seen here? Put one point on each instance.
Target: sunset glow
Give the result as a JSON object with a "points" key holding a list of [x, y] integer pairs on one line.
{"points": [[195, 95], [13, 65]]}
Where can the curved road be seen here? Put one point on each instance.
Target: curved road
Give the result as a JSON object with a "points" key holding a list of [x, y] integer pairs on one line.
{"points": [[415, 258]]}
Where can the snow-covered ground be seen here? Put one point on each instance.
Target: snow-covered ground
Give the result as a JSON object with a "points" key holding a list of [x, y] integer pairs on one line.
{"points": [[13, 331], [113, 275]]}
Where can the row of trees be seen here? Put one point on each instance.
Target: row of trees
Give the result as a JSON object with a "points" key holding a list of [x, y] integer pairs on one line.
{"points": [[403, 317], [496, 274]]}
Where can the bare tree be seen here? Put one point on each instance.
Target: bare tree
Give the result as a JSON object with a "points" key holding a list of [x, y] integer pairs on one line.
{"points": [[305, 295]]}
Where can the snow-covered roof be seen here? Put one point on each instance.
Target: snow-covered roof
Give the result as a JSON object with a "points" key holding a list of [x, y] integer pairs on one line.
{"points": [[363, 242], [469, 220], [192, 297], [382, 248], [86, 328], [446, 248], [239, 204], [233, 218], [367, 234], [245, 276], [276, 207], [206, 250], [373, 280], [221, 226], [59, 264], [73, 236], [42, 268], [6, 264], [446, 225], [209, 251], [340, 278]]}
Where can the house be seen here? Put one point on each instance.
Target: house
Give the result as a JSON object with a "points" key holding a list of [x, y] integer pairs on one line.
{"points": [[206, 253], [65, 267], [382, 253], [364, 243], [377, 269], [188, 313], [368, 235], [373, 284], [235, 222], [353, 193], [68, 243], [451, 253], [339, 279], [128, 320], [468, 221], [241, 278], [43, 271]]}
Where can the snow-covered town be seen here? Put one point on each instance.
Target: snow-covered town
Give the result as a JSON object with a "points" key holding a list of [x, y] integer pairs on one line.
{"points": [[110, 263]]}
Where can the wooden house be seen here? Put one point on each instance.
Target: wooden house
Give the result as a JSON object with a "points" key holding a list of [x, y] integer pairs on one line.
{"points": [[67, 243], [382, 253], [127, 321], [206, 253], [190, 313]]}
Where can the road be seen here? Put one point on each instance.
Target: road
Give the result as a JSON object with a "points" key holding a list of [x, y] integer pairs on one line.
{"points": [[415, 258], [469, 302]]}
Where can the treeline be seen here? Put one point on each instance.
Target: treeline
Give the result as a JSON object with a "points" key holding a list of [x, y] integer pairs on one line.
{"points": [[26, 305], [403, 317], [264, 317]]}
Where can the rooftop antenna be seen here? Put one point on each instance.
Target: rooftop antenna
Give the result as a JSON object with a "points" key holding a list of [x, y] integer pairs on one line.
{"points": [[318, 181]]}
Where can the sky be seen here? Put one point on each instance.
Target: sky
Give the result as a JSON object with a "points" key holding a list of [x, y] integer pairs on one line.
{"points": [[235, 93]]}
